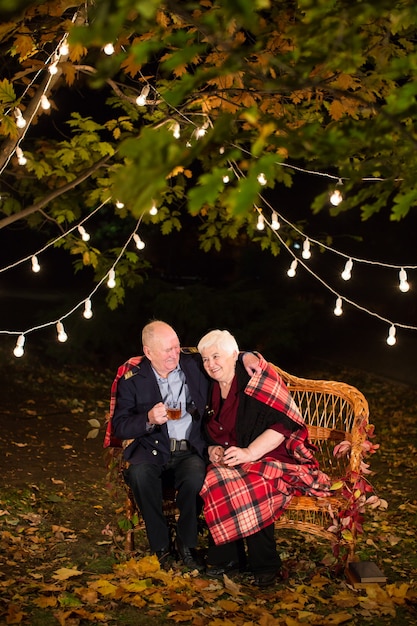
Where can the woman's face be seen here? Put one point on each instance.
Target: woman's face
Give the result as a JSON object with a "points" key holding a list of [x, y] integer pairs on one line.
{"points": [[218, 364]]}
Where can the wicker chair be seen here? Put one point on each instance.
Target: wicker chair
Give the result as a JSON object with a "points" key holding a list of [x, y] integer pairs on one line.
{"points": [[334, 412]]}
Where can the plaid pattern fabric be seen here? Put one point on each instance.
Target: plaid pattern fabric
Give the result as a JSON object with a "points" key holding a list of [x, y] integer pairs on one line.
{"points": [[240, 501], [109, 439]]}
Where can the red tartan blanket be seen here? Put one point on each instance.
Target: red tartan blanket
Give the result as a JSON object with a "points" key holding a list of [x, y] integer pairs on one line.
{"points": [[109, 439], [240, 501]]}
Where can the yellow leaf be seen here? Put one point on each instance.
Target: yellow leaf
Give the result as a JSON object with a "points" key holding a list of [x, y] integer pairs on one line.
{"points": [[44, 601], [63, 573], [337, 485], [336, 110], [104, 587], [24, 44], [61, 529], [338, 618], [228, 605]]}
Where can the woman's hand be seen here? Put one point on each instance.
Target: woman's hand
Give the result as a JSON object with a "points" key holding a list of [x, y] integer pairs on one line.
{"points": [[215, 454], [236, 456]]}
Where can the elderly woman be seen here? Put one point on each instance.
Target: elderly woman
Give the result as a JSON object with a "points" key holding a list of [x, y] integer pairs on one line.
{"points": [[260, 457]]}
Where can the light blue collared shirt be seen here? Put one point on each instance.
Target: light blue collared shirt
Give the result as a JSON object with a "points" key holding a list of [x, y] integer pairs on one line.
{"points": [[174, 388]]}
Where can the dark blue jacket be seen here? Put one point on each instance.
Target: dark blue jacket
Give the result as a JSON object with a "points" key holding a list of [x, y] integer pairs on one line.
{"points": [[138, 392]]}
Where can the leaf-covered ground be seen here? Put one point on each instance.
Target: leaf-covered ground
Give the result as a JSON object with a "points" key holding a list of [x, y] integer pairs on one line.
{"points": [[61, 551]]}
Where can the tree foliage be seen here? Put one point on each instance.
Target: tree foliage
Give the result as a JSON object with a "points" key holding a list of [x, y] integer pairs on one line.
{"points": [[234, 89]]}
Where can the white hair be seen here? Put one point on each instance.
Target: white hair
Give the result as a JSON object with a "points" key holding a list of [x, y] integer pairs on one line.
{"points": [[222, 339]]}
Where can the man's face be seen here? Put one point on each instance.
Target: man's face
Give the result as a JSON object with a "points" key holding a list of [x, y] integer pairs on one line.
{"points": [[163, 351]]}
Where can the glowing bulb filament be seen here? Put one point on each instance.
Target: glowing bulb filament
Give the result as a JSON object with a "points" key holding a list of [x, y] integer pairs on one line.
{"points": [[35, 265], [226, 179], [88, 313], [347, 272], [404, 284], [20, 120], [153, 210], [274, 221], [62, 335], [119, 204], [262, 179], [84, 235], [336, 197], [141, 99], [306, 253], [18, 351], [139, 243], [391, 339], [112, 279], [338, 308], [45, 104], [53, 68], [64, 49], [176, 130], [292, 269]]}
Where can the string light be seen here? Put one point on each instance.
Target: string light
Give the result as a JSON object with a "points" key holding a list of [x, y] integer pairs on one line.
{"points": [[19, 349], [119, 204], [306, 253], [338, 308], [153, 210], [45, 104], [64, 49], [88, 313], [226, 179], [292, 269], [21, 159], [201, 131], [275, 225], [20, 120], [111, 283], [84, 235], [262, 179], [391, 339], [53, 68], [404, 284], [139, 243], [35, 265], [141, 99], [347, 272], [261, 222], [176, 130], [108, 49], [336, 197], [62, 335]]}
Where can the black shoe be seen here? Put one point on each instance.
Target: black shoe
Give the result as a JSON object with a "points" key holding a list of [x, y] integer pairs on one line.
{"points": [[163, 557], [265, 579], [188, 556], [217, 571]]}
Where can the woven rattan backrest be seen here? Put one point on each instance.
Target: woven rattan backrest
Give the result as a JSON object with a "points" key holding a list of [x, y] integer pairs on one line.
{"points": [[334, 412]]}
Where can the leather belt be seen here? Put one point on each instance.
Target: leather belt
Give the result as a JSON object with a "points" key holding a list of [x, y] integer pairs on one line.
{"points": [[179, 445]]}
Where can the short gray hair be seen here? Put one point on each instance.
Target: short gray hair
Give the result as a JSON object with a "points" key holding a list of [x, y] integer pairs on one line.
{"points": [[220, 338]]}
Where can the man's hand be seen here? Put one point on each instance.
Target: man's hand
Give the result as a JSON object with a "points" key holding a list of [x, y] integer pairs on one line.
{"points": [[215, 454], [158, 414], [251, 363]]}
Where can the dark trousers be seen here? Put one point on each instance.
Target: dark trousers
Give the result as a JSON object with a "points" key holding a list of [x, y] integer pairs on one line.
{"points": [[185, 471], [262, 555]]}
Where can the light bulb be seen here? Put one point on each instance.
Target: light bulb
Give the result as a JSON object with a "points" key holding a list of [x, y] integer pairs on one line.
{"points": [[19, 350], [112, 279], [226, 179], [20, 120], [139, 243], [35, 265], [404, 284], [84, 235], [62, 335], [200, 132], [336, 197], [338, 308], [261, 222], [221, 150], [391, 339], [306, 254], [141, 99], [292, 269], [53, 68], [261, 179], [88, 313], [108, 49], [45, 104], [64, 49], [346, 274], [21, 159], [119, 204], [274, 221], [176, 130], [153, 210]]}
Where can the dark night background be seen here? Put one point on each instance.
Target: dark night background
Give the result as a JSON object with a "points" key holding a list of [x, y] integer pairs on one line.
{"points": [[242, 288]]}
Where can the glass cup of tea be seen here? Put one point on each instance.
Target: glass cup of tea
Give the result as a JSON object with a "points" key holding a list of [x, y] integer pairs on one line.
{"points": [[173, 410]]}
